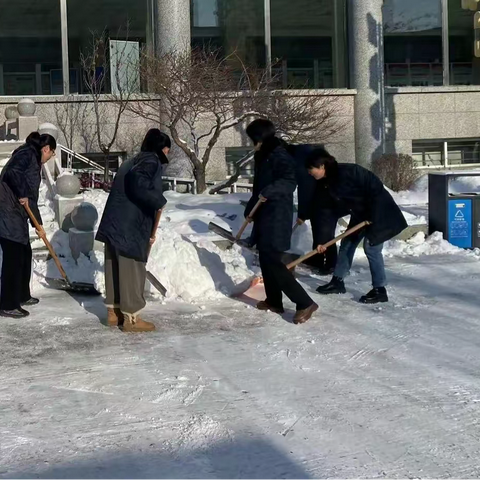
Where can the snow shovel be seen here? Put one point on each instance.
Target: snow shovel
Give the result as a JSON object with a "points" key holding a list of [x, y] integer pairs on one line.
{"points": [[64, 283], [228, 235], [256, 289], [150, 276]]}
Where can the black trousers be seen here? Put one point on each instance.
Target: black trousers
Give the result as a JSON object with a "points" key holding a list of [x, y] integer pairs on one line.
{"points": [[278, 279], [323, 231], [16, 273]]}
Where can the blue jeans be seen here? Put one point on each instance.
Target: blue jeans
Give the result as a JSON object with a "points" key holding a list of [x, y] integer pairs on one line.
{"points": [[374, 256]]}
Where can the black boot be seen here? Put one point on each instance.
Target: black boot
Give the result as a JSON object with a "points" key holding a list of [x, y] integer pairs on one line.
{"points": [[335, 286], [30, 302], [377, 295], [17, 313]]}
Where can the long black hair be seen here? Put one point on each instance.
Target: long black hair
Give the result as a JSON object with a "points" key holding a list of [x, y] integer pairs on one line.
{"points": [[40, 141], [155, 141], [321, 158]]}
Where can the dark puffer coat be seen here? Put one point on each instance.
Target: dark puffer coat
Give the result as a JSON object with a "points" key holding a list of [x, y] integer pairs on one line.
{"points": [[275, 179], [130, 211], [20, 178], [358, 191]]}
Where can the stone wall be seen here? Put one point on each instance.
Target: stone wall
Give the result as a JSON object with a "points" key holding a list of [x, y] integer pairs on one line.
{"points": [[431, 113], [133, 128]]}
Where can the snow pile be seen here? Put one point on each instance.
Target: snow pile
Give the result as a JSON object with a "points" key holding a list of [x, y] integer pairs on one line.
{"points": [[420, 244]]}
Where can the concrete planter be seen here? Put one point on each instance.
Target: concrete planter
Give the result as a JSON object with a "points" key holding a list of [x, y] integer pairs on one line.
{"points": [[68, 186], [26, 107]]}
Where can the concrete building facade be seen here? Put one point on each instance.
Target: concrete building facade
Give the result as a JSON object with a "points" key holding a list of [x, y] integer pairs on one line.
{"points": [[405, 72]]}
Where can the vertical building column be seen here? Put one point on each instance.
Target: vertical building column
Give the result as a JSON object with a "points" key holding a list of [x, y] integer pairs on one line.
{"points": [[367, 76], [172, 26]]}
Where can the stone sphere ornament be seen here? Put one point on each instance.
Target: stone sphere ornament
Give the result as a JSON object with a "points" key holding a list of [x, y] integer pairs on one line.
{"points": [[68, 185], [85, 217], [26, 107], [48, 128], [11, 112]]}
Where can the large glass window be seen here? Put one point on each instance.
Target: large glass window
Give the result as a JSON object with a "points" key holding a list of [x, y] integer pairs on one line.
{"points": [[237, 27], [464, 66], [30, 47], [309, 43], [413, 42], [308, 37], [119, 21]]}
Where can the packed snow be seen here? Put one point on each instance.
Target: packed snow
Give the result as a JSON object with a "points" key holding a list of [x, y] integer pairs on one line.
{"points": [[188, 262], [222, 390]]}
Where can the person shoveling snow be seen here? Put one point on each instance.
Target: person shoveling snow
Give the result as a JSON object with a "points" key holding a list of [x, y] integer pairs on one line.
{"points": [[126, 230]]}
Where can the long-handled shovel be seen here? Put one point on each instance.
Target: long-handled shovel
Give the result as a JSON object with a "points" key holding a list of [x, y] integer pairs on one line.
{"points": [[228, 235], [256, 289], [64, 283], [150, 276]]}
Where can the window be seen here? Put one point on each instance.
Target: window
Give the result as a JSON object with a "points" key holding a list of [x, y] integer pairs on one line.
{"points": [[460, 152], [308, 46], [464, 66], [428, 153], [124, 23], [413, 43], [30, 47], [309, 43], [234, 26], [233, 155]]}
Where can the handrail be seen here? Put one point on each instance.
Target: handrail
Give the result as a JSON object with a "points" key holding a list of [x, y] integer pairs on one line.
{"points": [[80, 157]]}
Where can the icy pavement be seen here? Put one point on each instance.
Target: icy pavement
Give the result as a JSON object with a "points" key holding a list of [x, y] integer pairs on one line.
{"points": [[225, 391]]}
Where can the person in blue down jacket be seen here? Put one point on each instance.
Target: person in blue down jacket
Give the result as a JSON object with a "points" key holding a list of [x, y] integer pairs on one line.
{"points": [[274, 183], [19, 186], [126, 231]]}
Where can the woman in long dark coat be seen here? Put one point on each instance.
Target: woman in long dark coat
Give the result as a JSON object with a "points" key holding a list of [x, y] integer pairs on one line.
{"points": [[275, 183], [356, 191], [19, 186], [126, 231]]}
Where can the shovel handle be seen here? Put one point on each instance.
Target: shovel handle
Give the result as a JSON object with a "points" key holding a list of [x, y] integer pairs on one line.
{"points": [[38, 227], [156, 223], [248, 219], [356, 228]]}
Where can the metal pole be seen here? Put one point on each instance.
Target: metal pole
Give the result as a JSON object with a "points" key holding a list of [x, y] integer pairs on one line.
{"points": [[445, 44], [268, 37], [65, 62]]}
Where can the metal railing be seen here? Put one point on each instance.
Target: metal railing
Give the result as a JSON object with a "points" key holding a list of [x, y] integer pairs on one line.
{"points": [[71, 155]]}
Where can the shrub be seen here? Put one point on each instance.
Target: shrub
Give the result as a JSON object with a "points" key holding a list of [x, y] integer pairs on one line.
{"points": [[397, 171]]}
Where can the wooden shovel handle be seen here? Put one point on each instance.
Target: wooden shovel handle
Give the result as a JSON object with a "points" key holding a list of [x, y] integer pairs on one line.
{"points": [[156, 223], [248, 219], [38, 227], [356, 228]]}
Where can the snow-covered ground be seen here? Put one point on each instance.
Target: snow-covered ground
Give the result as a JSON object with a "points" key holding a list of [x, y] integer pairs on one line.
{"points": [[221, 390]]}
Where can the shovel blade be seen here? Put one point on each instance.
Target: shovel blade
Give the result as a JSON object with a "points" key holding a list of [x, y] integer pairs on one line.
{"points": [[222, 232], [156, 283], [76, 287]]}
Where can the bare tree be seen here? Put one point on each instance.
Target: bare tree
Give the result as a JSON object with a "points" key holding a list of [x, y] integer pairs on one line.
{"points": [[204, 94], [69, 116], [110, 89]]}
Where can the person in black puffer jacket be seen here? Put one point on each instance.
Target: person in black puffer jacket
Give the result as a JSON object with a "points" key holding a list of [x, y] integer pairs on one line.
{"points": [[19, 186], [275, 183], [357, 191], [126, 231]]}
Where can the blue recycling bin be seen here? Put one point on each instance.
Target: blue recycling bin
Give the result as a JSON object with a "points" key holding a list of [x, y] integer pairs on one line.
{"points": [[456, 215]]}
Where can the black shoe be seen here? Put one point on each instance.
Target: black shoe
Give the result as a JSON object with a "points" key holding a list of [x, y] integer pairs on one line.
{"points": [[32, 301], [17, 313], [336, 286], [377, 295]]}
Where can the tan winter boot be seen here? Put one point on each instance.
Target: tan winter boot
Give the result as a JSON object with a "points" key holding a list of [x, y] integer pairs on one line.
{"points": [[134, 324], [114, 317]]}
